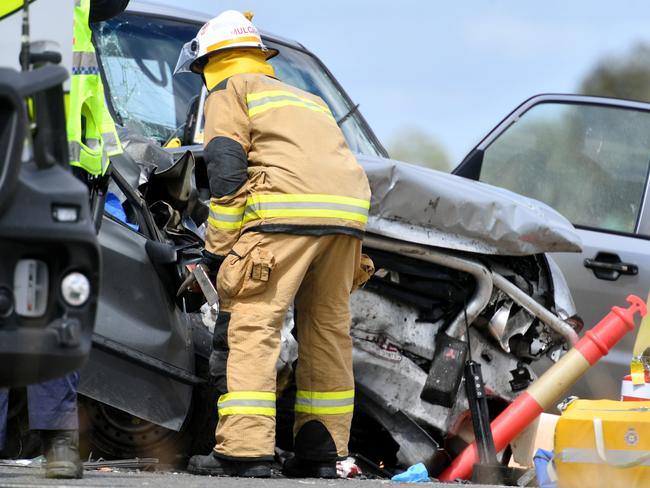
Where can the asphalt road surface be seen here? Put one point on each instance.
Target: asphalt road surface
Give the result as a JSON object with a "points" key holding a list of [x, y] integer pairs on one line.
{"points": [[22, 477]]}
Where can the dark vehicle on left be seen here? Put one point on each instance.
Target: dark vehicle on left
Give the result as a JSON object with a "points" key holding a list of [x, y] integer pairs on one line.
{"points": [[49, 270]]}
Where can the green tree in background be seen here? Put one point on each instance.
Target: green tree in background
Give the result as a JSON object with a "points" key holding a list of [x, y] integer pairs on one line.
{"points": [[416, 146], [626, 76]]}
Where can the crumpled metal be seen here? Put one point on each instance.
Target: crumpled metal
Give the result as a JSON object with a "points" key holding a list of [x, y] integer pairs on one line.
{"points": [[429, 207]]}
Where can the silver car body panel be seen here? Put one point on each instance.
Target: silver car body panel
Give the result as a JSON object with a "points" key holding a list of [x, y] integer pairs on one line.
{"points": [[433, 208]]}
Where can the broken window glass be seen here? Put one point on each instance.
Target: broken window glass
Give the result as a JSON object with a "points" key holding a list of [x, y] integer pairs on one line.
{"points": [[138, 55]]}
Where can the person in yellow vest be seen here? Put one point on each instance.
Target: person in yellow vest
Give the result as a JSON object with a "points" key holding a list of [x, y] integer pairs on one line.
{"points": [[91, 131], [288, 211]]}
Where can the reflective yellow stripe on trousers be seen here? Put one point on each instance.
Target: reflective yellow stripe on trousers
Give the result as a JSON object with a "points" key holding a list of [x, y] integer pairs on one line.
{"points": [[289, 206], [266, 100], [324, 402], [247, 403]]}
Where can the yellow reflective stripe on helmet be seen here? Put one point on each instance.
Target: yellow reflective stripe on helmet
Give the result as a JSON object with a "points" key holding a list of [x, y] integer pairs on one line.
{"points": [[324, 403], [247, 403], [262, 101], [229, 42], [227, 218], [310, 206]]}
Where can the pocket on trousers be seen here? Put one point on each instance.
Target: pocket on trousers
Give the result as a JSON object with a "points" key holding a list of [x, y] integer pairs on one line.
{"points": [[247, 270], [363, 273]]}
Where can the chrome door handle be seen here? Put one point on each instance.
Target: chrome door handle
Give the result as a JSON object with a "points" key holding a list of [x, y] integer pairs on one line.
{"points": [[609, 267]]}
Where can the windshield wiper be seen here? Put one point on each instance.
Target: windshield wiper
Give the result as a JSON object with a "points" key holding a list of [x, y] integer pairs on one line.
{"points": [[348, 114]]}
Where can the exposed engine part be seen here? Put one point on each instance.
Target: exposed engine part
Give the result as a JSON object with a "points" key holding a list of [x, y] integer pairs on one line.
{"points": [[521, 378], [504, 325], [482, 292], [558, 325], [392, 354]]}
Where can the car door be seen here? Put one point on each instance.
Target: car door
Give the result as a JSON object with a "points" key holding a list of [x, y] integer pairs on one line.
{"points": [[588, 158], [142, 360]]}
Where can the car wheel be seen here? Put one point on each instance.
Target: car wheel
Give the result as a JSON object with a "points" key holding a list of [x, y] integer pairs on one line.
{"points": [[110, 433]]}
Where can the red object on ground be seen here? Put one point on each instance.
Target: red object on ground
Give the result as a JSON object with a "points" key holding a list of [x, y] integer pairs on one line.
{"points": [[549, 387]]}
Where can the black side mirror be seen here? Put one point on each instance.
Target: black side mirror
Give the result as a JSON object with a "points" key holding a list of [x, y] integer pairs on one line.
{"points": [[106, 9]]}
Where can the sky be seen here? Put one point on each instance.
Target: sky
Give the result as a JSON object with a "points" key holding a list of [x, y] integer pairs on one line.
{"points": [[452, 69]]}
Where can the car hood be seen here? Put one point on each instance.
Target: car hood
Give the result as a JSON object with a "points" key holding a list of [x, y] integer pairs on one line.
{"points": [[430, 207]]}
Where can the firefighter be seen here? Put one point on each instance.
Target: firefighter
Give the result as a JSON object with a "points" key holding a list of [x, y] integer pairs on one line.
{"points": [[288, 209]]}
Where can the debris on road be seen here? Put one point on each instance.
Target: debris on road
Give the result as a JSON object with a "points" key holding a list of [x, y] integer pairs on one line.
{"points": [[348, 468], [36, 462], [135, 463], [415, 474]]}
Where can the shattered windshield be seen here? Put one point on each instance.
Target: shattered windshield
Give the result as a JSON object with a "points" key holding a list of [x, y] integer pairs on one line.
{"points": [[138, 54]]}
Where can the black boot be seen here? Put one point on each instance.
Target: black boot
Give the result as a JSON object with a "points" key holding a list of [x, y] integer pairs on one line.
{"points": [[61, 448], [301, 468], [216, 466], [315, 453]]}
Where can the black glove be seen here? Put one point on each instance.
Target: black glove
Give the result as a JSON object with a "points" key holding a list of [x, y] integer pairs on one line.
{"points": [[212, 262]]}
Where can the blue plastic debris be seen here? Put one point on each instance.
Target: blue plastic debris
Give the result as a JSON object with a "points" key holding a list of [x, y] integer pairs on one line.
{"points": [[415, 474], [544, 469], [114, 208]]}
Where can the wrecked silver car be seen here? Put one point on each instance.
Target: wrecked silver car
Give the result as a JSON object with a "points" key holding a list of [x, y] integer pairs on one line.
{"points": [[460, 266]]}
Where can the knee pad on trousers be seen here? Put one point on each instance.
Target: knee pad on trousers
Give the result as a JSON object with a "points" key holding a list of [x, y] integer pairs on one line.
{"points": [[219, 355], [314, 443]]}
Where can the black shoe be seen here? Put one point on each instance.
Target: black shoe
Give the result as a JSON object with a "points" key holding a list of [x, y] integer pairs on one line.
{"points": [[61, 449], [301, 468], [216, 466]]}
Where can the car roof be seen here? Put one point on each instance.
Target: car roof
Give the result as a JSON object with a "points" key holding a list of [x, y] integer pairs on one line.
{"points": [[172, 12]]}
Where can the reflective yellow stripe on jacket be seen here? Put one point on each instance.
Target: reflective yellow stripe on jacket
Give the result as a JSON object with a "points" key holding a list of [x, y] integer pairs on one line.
{"points": [[289, 206], [247, 403], [324, 403], [266, 100], [227, 218]]}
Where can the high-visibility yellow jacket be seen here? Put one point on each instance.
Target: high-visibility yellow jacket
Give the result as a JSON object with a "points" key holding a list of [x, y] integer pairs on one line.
{"points": [[278, 162], [92, 137]]}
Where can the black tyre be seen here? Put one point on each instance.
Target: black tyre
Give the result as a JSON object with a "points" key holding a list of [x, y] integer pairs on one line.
{"points": [[110, 433]]}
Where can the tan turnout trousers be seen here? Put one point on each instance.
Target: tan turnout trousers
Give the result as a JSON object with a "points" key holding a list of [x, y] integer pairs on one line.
{"points": [[263, 275]]}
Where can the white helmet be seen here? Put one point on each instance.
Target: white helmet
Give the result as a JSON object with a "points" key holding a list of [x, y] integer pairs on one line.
{"points": [[229, 30]]}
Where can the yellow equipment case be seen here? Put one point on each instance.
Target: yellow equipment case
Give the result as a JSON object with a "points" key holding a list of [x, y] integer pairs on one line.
{"points": [[603, 443]]}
